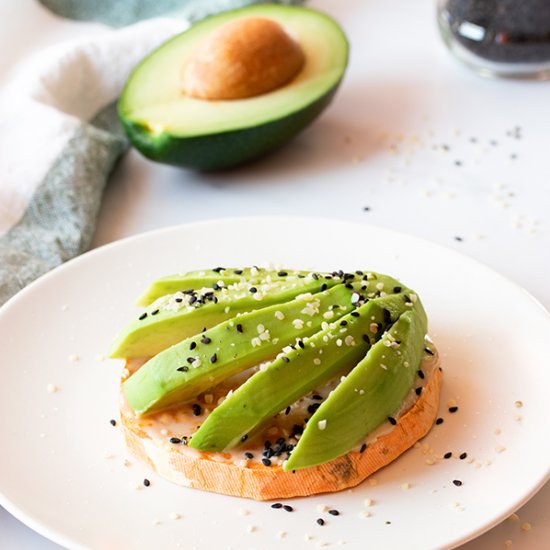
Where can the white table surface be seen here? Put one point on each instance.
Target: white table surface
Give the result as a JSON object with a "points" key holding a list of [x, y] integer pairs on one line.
{"points": [[412, 135]]}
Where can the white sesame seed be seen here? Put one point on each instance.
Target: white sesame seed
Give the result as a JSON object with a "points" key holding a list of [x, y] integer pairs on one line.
{"points": [[526, 526], [500, 448], [339, 342], [157, 521], [518, 404], [322, 424], [364, 514], [251, 528], [279, 315], [317, 361], [298, 324], [281, 534], [513, 517], [406, 486], [74, 358], [208, 398], [373, 327], [174, 515], [322, 508], [508, 543], [243, 512], [51, 388], [382, 366]]}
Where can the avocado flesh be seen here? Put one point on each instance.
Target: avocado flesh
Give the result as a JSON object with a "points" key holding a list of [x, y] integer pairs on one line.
{"points": [[349, 416], [159, 384], [282, 383], [175, 321], [169, 127], [209, 277]]}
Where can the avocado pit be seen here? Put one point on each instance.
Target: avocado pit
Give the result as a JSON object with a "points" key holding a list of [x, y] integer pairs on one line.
{"points": [[244, 58]]}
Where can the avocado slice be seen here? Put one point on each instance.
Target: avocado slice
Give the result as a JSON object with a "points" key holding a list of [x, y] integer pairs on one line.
{"points": [[331, 351], [198, 363], [168, 126], [211, 278], [177, 316], [371, 393]]}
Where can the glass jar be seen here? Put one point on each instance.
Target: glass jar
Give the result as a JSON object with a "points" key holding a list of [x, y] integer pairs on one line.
{"points": [[506, 38]]}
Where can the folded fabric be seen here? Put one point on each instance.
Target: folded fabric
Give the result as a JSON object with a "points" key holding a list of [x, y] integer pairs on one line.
{"points": [[60, 138]]}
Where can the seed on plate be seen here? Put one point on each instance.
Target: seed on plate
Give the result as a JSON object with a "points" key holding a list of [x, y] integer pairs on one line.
{"points": [[453, 409], [439, 421], [320, 521], [112, 422], [448, 455], [146, 482], [334, 512], [457, 482], [288, 508], [463, 456]]}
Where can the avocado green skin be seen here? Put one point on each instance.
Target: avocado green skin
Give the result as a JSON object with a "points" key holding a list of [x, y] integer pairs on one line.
{"points": [[158, 384], [282, 383], [226, 149], [350, 415], [149, 336], [207, 278]]}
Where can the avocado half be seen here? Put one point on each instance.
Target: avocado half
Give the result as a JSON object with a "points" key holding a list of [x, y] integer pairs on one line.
{"points": [[170, 127]]}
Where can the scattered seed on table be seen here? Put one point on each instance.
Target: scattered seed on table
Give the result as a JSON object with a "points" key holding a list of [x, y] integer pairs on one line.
{"points": [[288, 508], [276, 505], [457, 482], [320, 521], [112, 422], [146, 482]]}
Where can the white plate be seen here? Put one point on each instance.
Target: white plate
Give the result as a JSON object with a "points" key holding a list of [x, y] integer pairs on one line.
{"points": [[62, 463]]}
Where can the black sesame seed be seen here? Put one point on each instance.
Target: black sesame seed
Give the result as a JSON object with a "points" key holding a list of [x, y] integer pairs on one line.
{"points": [[282, 273], [418, 390], [313, 407], [301, 344], [366, 338], [288, 508], [392, 420], [315, 276], [447, 455], [146, 482], [320, 521], [285, 359], [267, 444], [183, 369], [429, 351], [354, 314], [276, 505], [142, 316], [366, 208], [112, 422], [190, 359], [214, 358], [453, 409], [266, 462], [343, 323], [457, 482], [324, 286], [155, 311], [248, 455], [349, 285], [205, 340], [192, 345], [397, 289], [458, 239], [239, 328], [238, 271], [244, 437], [216, 286], [179, 300], [363, 448], [420, 374], [463, 456], [253, 289], [192, 300], [268, 453], [334, 512], [197, 409], [287, 411], [218, 269], [439, 421], [175, 440], [317, 397]]}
